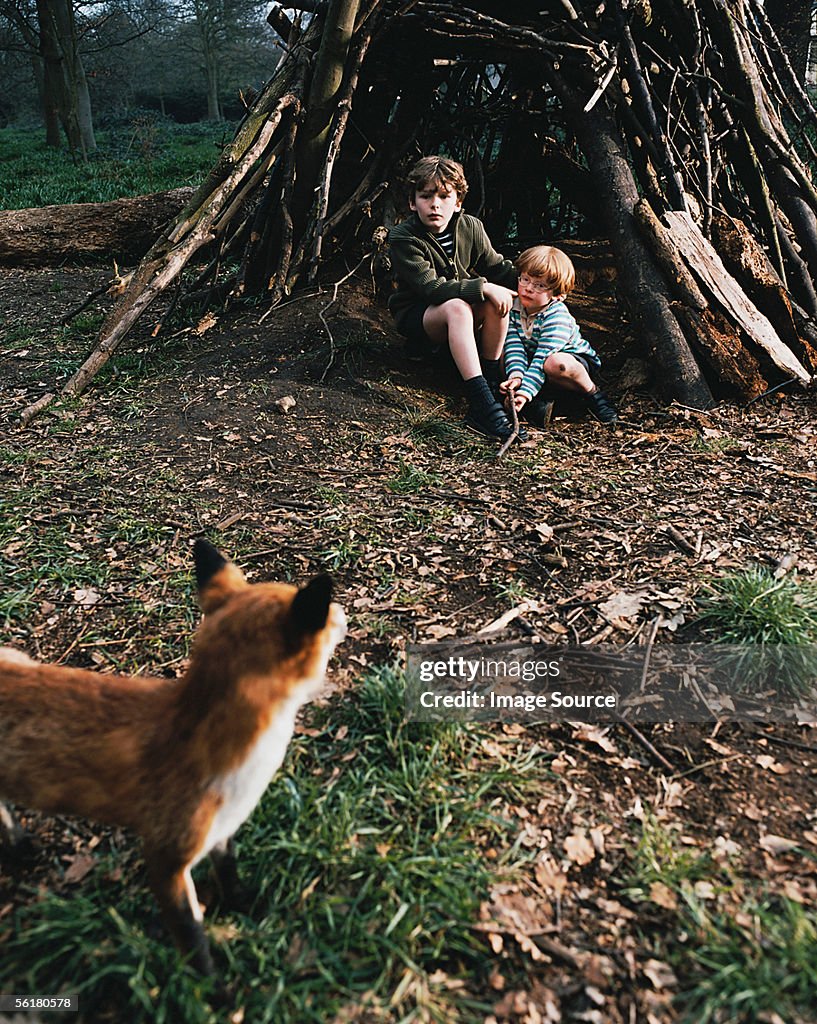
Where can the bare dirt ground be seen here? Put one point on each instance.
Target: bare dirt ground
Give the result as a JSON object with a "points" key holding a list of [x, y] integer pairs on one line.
{"points": [[428, 536]]}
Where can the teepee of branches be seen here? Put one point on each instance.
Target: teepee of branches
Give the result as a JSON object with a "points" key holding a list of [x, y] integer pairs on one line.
{"points": [[677, 128]]}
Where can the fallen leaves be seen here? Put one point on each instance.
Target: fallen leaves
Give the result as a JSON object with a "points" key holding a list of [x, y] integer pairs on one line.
{"points": [[579, 848], [777, 845], [78, 867], [86, 597], [771, 764], [284, 404]]}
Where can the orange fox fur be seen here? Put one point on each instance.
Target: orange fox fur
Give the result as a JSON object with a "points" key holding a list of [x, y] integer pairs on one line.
{"points": [[182, 762]]}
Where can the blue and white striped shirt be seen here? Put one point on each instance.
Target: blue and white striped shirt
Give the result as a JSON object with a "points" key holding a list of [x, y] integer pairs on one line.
{"points": [[531, 339]]}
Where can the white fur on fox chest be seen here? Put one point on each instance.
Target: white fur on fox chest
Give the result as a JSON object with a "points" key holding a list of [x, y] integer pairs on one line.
{"points": [[242, 788]]}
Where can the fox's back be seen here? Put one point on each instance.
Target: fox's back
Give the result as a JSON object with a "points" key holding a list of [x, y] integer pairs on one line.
{"points": [[77, 742]]}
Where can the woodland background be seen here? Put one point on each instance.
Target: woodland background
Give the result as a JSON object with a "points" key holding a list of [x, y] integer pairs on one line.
{"points": [[517, 874]]}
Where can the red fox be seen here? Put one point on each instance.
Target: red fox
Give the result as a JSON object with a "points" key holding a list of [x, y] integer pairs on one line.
{"points": [[182, 762]]}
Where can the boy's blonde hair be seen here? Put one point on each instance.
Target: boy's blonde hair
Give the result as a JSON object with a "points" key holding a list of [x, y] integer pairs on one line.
{"points": [[552, 265], [439, 170]]}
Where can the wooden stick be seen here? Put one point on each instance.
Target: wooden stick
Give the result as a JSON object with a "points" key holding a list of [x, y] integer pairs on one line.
{"points": [[514, 433], [642, 739]]}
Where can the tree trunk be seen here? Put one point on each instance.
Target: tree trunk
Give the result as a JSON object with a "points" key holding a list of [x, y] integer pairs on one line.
{"points": [[641, 285], [313, 138], [65, 87], [54, 100], [85, 119], [206, 21]]}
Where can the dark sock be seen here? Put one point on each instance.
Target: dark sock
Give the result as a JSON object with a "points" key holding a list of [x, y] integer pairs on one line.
{"points": [[492, 369], [477, 390]]}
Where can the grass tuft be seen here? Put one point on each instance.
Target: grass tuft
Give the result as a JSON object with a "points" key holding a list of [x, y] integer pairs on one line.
{"points": [[772, 624], [411, 480], [760, 964], [740, 955], [425, 426]]}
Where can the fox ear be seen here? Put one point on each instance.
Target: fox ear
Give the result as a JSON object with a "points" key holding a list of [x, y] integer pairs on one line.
{"points": [[310, 606], [216, 578]]}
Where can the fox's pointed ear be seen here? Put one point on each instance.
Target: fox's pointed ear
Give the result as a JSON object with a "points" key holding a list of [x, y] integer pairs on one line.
{"points": [[310, 606], [216, 578]]}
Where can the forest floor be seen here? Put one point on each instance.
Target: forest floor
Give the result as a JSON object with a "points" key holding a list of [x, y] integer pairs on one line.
{"points": [[624, 891]]}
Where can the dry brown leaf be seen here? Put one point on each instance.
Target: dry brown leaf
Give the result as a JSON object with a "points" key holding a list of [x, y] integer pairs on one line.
{"points": [[793, 891], [544, 532], [496, 979], [578, 848], [704, 890], [78, 867], [623, 605], [284, 404], [663, 896], [768, 762], [527, 945], [439, 632], [550, 876], [206, 322], [592, 734], [775, 845], [660, 974], [719, 748], [725, 848]]}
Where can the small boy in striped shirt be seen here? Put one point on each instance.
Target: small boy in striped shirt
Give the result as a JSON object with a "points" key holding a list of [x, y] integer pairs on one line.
{"points": [[544, 345]]}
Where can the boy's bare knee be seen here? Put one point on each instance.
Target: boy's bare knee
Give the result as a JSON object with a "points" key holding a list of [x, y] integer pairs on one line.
{"points": [[456, 308]]}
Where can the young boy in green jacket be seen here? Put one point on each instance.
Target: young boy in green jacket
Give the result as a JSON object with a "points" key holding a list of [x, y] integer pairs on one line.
{"points": [[453, 288]]}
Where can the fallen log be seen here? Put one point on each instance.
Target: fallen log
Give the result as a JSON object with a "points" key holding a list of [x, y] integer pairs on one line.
{"points": [[714, 338], [123, 229], [747, 261], [708, 267]]}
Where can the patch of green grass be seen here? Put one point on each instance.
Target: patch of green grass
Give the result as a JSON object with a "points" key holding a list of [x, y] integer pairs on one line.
{"points": [[342, 554], [660, 857], [771, 625], [18, 337], [330, 496], [365, 863], [17, 456], [749, 966], [425, 426], [47, 554], [741, 954], [754, 607], [699, 443], [133, 159], [411, 480], [84, 325], [513, 591], [376, 626]]}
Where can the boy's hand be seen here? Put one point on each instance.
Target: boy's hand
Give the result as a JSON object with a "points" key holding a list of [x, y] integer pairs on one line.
{"points": [[500, 298], [519, 401], [509, 385]]}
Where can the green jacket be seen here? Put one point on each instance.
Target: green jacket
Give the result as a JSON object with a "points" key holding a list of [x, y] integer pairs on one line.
{"points": [[424, 272]]}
